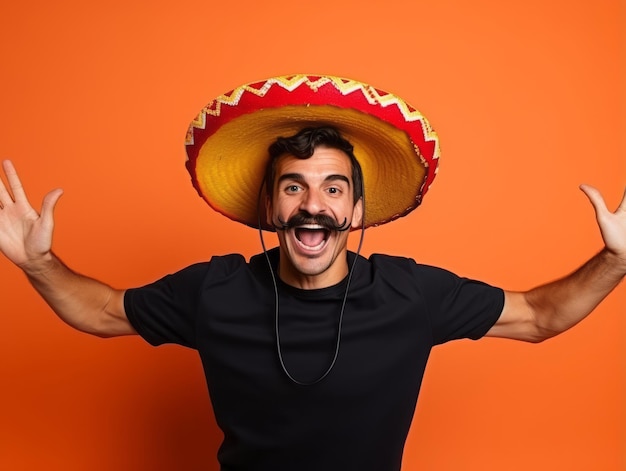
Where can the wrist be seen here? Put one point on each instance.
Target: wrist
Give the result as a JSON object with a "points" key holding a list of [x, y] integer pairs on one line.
{"points": [[40, 265], [615, 262]]}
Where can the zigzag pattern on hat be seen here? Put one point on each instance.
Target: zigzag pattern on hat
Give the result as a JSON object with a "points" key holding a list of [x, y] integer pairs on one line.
{"points": [[293, 82]]}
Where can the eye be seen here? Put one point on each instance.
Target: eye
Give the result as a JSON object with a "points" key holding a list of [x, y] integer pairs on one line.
{"points": [[336, 190], [292, 188]]}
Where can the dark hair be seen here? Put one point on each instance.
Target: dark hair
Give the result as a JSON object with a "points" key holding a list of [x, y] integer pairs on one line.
{"points": [[303, 144]]}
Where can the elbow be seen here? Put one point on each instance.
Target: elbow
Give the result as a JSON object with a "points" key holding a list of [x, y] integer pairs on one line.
{"points": [[540, 332], [538, 337], [106, 325], [113, 327], [541, 325], [532, 336], [103, 335], [100, 330], [524, 319]]}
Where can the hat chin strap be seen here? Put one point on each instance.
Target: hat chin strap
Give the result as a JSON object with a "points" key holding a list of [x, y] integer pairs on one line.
{"points": [[276, 296]]}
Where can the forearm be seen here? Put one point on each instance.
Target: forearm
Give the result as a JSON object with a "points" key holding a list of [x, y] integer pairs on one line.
{"points": [[82, 302], [559, 305]]}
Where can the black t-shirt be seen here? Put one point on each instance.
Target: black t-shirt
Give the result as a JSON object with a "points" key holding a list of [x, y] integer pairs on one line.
{"points": [[359, 415]]}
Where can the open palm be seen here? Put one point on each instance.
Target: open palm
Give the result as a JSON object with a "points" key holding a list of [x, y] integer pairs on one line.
{"points": [[25, 235], [612, 224]]}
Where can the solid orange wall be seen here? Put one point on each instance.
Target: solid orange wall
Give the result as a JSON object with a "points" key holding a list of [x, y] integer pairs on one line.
{"points": [[525, 96]]}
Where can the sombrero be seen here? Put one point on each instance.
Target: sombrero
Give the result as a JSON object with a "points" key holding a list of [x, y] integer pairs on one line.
{"points": [[227, 143]]}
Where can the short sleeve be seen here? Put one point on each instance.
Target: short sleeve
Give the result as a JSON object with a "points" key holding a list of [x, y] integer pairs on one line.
{"points": [[458, 307], [165, 311]]}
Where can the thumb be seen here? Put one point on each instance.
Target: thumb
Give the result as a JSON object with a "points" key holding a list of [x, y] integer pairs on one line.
{"points": [[49, 203], [596, 199]]}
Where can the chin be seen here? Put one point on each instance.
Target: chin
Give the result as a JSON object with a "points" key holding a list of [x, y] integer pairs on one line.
{"points": [[311, 267]]}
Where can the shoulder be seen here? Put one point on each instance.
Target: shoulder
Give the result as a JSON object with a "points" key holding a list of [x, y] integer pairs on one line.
{"points": [[428, 279], [406, 265], [400, 274], [194, 275], [226, 264]]}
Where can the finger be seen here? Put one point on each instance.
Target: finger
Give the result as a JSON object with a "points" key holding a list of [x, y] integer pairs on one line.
{"points": [[622, 205], [596, 199], [14, 181], [5, 196]]}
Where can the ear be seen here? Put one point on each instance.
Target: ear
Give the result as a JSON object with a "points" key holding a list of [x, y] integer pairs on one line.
{"points": [[357, 214]]}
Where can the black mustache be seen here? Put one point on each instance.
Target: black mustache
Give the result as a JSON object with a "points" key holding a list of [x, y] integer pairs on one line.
{"points": [[303, 218]]}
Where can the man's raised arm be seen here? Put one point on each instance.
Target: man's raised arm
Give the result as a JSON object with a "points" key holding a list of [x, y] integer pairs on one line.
{"points": [[550, 309], [26, 240]]}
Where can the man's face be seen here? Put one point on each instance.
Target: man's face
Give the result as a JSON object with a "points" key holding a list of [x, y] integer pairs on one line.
{"points": [[313, 255]]}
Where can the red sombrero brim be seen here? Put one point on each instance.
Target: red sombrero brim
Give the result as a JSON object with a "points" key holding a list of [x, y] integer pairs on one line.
{"points": [[227, 143]]}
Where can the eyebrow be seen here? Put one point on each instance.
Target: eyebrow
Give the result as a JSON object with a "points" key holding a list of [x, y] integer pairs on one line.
{"points": [[300, 178]]}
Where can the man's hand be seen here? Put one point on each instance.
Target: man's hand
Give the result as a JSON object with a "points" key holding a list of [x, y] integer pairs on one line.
{"points": [[26, 239], [552, 308], [612, 225], [25, 235]]}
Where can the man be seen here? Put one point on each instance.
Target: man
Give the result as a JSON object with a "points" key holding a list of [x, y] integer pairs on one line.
{"points": [[313, 355]]}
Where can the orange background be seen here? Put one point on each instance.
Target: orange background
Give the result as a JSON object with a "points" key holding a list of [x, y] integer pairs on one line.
{"points": [[527, 98]]}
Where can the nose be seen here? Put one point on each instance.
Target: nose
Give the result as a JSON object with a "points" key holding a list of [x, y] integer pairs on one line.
{"points": [[312, 202]]}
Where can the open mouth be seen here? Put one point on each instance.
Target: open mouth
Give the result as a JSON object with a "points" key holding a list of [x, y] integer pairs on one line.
{"points": [[312, 238]]}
